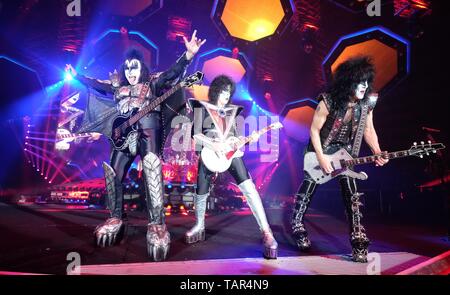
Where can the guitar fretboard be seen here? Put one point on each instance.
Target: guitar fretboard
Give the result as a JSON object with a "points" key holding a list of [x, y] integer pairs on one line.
{"points": [[147, 109], [260, 132], [373, 158], [65, 136]]}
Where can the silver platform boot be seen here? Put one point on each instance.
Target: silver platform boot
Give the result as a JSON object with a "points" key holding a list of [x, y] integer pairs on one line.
{"points": [[254, 202], [158, 238], [114, 228], [197, 233]]}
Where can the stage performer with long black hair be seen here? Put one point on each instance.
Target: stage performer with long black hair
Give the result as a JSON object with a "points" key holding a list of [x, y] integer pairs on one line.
{"points": [[215, 123], [133, 87]]}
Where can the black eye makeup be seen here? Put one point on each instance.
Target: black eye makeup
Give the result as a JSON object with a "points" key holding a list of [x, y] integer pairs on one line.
{"points": [[133, 66]]}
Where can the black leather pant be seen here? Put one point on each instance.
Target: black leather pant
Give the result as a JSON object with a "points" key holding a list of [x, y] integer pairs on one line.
{"points": [[237, 170], [149, 142]]}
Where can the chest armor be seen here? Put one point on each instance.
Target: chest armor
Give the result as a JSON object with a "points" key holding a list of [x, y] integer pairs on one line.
{"points": [[128, 98], [220, 123]]}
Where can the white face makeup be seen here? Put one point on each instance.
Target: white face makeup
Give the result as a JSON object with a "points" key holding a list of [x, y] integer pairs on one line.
{"points": [[361, 89], [133, 71], [224, 97]]}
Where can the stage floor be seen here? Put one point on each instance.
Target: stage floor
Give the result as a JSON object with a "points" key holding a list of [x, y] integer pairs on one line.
{"points": [[389, 264], [38, 239]]}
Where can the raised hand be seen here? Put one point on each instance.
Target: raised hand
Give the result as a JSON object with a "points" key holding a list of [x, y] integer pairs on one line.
{"points": [[69, 69], [114, 78], [193, 45]]}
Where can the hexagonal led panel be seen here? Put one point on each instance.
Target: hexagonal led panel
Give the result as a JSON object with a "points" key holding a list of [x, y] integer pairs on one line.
{"points": [[199, 92], [252, 19], [389, 52], [222, 65], [109, 48], [297, 119], [384, 58]]}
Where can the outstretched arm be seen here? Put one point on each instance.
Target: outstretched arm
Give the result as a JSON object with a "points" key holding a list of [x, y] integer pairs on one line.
{"points": [[104, 86], [371, 138]]}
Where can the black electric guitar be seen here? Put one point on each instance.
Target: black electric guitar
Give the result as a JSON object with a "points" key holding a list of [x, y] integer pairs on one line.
{"points": [[124, 125]]}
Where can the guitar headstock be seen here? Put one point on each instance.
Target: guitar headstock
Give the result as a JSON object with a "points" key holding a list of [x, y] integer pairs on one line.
{"points": [[425, 148], [195, 78], [276, 125]]}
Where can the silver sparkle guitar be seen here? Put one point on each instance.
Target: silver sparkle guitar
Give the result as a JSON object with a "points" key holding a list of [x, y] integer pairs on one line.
{"points": [[342, 162]]}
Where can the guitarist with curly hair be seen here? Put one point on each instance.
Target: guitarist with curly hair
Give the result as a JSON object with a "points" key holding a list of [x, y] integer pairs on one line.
{"points": [[342, 118]]}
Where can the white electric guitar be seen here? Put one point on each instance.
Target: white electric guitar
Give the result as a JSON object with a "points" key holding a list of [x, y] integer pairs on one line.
{"points": [[64, 137], [221, 161], [342, 161]]}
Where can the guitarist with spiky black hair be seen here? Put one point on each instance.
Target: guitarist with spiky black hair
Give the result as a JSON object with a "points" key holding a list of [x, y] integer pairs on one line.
{"points": [[215, 121]]}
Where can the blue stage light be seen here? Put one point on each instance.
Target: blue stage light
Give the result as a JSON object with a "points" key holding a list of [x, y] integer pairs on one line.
{"points": [[68, 77]]}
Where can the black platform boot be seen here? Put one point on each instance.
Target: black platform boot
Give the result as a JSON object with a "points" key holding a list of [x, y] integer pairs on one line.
{"points": [[358, 238], [302, 201]]}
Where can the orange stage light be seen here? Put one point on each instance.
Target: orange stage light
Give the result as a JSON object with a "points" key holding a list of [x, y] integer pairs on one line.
{"points": [[297, 119], [383, 56], [199, 92], [222, 65], [388, 51], [252, 19]]}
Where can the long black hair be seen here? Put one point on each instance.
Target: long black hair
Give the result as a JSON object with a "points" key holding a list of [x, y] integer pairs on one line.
{"points": [[346, 79], [219, 84], [134, 53]]}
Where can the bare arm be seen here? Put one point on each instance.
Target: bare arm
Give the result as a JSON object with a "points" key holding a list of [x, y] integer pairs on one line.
{"points": [[371, 138], [370, 135], [320, 116]]}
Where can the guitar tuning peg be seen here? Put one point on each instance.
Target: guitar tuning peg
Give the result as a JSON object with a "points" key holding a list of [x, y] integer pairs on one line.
{"points": [[422, 142], [429, 141], [415, 143], [434, 151], [421, 156]]}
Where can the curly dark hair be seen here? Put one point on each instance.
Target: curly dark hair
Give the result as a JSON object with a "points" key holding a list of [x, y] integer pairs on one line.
{"points": [[219, 84], [347, 77], [134, 53]]}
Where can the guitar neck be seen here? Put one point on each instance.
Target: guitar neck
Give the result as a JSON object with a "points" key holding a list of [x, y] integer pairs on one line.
{"points": [[152, 105], [66, 136], [373, 158], [260, 132]]}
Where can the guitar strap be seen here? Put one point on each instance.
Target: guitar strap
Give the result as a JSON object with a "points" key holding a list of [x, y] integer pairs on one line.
{"points": [[144, 91], [132, 139], [360, 131]]}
